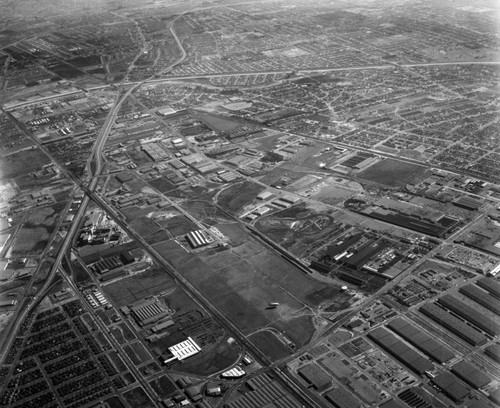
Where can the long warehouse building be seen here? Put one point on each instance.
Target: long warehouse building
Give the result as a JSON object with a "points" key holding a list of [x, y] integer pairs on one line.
{"points": [[421, 340], [400, 350], [482, 297], [478, 319], [454, 324], [491, 285]]}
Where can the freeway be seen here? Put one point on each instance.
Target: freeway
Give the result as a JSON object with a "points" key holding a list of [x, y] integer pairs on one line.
{"points": [[313, 70]]}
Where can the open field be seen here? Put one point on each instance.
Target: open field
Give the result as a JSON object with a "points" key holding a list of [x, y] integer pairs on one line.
{"points": [[217, 123], [36, 231], [270, 345], [162, 184], [137, 287], [393, 173], [234, 198], [144, 225], [22, 162], [138, 398], [176, 223], [135, 212], [205, 211], [242, 284]]}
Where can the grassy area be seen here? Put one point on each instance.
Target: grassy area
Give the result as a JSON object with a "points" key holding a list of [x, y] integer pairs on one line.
{"points": [[137, 287], [138, 398], [162, 184], [21, 163], [205, 211], [218, 124], [392, 173], [270, 345], [234, 198], [178, 225]]}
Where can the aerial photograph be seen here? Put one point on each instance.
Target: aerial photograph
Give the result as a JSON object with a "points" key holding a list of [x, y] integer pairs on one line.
{"points": [[249, 203]]}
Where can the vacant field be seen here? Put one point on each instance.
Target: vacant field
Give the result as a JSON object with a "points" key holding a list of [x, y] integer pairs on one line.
{"points": [[36, 231], [144, 226], [393, 173], [139, 157], [267, 342], [235, 232], [157, 236], [21, 163], [134, 288], [138, 398], [162, 184], [234, 198], [163, 386], [242, 284], [205, 211], [217, 123], [298, 329], [232, 285], [178, 224], [134, 212]]}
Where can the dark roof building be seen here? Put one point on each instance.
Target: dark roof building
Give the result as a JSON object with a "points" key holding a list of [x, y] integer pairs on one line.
{"points": [[454, 324], [474, 316], [341, 398], [470, 374], [390, 404], [450, 385], [421, 340], [400, 350], [493, 351], [316, 377]]}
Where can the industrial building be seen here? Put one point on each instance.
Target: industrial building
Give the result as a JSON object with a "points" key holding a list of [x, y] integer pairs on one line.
{"points": [[198, 239], [482, 297], [181, 351], [454, 324], [148, 312], [474, 316], [400, 350], [470, 374], [493, 351], [315, 377], [421, 340], [390, 404], [490, 285], [450, 385], [264, 392], [341, 398]]}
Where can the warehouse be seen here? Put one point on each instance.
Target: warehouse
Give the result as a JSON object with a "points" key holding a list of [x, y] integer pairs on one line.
{"points": [[148, 312], [420, 339], [198, 239], [181, 351], [470, 374], [390, 404], [341, 398], [491, 285], [474, 316], [400, 350], [450, 385], [454, 324], [493, 351], [481, 297], [315, 377], [469, 203]]}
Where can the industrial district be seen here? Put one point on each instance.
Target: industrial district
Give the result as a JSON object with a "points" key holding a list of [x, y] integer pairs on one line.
{"points": [[250, 204]]}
